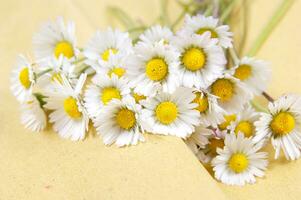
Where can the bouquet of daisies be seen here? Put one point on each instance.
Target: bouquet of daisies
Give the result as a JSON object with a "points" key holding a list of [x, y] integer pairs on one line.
{"points": [[189, 84]]}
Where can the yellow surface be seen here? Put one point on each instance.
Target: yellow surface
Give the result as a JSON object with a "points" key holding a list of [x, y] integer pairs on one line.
{"points": [[44, 166]]}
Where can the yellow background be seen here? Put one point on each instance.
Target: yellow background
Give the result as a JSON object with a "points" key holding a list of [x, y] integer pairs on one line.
{"points": [[44, 166]]}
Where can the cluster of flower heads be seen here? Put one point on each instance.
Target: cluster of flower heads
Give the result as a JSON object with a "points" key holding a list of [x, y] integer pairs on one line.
{"points": [[179, 84]]}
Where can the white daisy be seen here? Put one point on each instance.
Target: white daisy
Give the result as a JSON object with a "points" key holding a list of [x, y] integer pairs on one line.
{"points": [[69, 116], [283, 125], [22, 79], [105, 44], [239, 162], [254, 73], [245, 122], [116, 64], [102, 90], [33, 116], [199, 139], [52, 70], [55, 39], [225, 125], [201, 60], [120, 123], [157, 33], [153, 66], [201, 24], [215, 141], [211, 112], [171, 114], [232, 94]]}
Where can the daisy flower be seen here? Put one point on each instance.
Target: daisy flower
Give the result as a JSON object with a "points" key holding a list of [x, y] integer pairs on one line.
{"points": [[105, 44], [232, 94], [68, 115], [283, 125], [211, 112], [22, 79], [120, 123], [102, 90], [53, 69], [215, 141], [116, 65], [224, 125], [171, 114], [199, 139], [254, 73], [153, 66], [201, 60], [239, 162], [201, 24], [156, 34], [55, 39], [245, 122], [33, 116]]}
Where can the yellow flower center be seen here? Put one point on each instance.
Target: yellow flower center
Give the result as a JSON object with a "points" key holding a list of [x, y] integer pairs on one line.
{"points": [[106, 54], [215, 143], [110, 93], [71, 108], [238, 162], [202, 102], [57, 77], [156, 69], [24, 78], [166, 42], [194, 59], [243, 72], [166, 112], [201, 31], [138, 97], [65, 48], [283, 123], [29, 102], [118, 71], [247, 128], [226, 123], [125, 118], [223, 88]]}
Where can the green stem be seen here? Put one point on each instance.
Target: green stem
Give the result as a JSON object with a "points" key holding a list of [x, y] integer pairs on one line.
{"points": [[208, 10], [122, 16], [234, 55], [135, 33], [267, 96], [180, 17], [79, 60], [245, 27], [273, 22], [228, 10], [38, 75], [137, 29], [216, 8], [164, 16], [82, 69], [258, 107], [40, 97]]}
